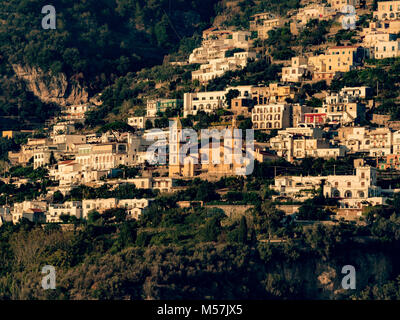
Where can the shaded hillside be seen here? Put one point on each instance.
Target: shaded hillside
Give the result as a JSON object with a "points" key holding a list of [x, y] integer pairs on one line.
{"points": [[95, 43]]}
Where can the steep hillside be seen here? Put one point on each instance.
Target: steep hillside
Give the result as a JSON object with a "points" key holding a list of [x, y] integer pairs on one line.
{"points": [[95, 43]]}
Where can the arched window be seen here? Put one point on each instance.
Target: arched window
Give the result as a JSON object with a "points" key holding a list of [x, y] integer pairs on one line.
{"points": [[361, 194], [276, 124], [348, 194], [336, 194]]}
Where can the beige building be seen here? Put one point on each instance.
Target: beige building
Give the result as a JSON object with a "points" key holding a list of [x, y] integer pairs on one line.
{"points": [[104, 156], [387, 26], [271, 116], [387, 49], [297, 71], [314, 11], [262, 23], [138, 122], [336, 59], [387, 10], [375, 142], [339, 4], [216, 42], [274, 93]]}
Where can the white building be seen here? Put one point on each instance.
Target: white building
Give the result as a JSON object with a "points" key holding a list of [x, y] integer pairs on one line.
{"points": [[217, 67], [297, 71], [216, 42], [69, 208], [211, 101], [351, 191], [134, 207], [300, 143]]}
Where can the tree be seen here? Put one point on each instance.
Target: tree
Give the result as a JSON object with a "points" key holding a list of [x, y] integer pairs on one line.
{"points": [[52, 159], [232, 94], [116, 128], [58, 197], [212, 229], [242, 235], [148, 124], [268, 219]]}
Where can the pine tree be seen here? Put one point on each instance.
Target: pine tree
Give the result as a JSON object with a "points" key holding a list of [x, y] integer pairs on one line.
{"points": [[242, 235]]}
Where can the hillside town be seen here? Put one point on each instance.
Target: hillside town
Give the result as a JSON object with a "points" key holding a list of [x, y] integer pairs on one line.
{"points": [[340, 124]]}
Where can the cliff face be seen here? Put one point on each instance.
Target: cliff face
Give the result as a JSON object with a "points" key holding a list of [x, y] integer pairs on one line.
{"points": [[50, 88], [317, 279]]}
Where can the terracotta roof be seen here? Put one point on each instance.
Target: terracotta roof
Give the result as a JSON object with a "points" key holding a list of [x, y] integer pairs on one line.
{"points": [[343, 47], [36, 210], [67, 162]]}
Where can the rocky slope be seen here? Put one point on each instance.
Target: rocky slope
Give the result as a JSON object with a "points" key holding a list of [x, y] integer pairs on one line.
{"points": [[51, 88]]}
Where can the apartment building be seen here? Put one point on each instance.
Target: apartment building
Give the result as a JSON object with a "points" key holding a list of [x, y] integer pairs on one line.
{"points": [[28, 150], [386, 49], [77, 112], [339, 4], [372, 38], [303, 142], [375, 142], [262, 23], [336, 59], [138, 122], [104, 156], [341, 109], [63, 128], [160, 105], [357, 92], [210, 101], [32, 210], [272, 116], [69, 208], [43, 157], [351, 191], [390, 161], [387, 10], [387, 26], [134, 207], [314, 12], [217, 67], [297, 71], [67, 173], [274, 93], [216, 42]]}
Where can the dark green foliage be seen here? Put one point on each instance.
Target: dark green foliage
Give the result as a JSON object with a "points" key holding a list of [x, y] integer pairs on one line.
{"points": [[314, 33], [99, 38]]}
